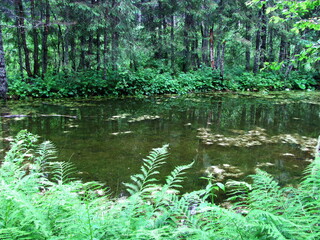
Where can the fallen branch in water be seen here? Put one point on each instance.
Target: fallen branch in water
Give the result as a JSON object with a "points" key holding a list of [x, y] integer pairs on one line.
{"points": [[40, 115]]}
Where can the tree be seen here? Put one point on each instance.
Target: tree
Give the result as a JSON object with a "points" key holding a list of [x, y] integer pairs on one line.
{"points": [[3, 75]]}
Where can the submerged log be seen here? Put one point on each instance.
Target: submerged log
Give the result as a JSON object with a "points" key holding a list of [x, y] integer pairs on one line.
{"points": [[40, 115], [14, 116], [57, 115]]}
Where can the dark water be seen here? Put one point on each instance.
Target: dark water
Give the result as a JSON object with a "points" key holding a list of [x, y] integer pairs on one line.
{"points": [[110, 149]]}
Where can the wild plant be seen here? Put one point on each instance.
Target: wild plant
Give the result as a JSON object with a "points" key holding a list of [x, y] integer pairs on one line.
{"points": [[40, 199]]}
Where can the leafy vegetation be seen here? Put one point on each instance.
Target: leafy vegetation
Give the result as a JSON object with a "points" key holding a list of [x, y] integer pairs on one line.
{"points": [[40, 200], [151, 82]]}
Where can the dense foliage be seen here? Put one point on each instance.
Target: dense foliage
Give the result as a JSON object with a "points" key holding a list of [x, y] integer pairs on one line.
{"points": [[149, 47], [40, 200], [152, 82]]}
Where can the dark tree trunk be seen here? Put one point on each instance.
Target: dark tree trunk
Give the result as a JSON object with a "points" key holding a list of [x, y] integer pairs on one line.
{"points": [[194, 55], [66, 48], [45, 34], [90, 51], [82, 53], [213, 66], [105, 48], [290, 65], [3, 75], [271, 57], [257, 52], [36, 64], [98, 51], [223, 47], [186, 34], [61, 48], [22, 28], [256, 63], [204, 44], [172, 42], [263, 49], [114, 50], [218, 55], [282, 49], [73, 52], [19, 50], [105, 45], [164, 39], [160, 30], [248, 48], [288, 51], [114, 37]]}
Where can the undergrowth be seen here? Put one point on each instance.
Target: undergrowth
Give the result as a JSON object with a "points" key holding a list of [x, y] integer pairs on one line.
{"points": [[152, 82], [39, 199]]}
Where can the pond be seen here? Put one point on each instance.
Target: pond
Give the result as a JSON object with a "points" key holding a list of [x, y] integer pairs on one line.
{"points": [[226, 134]]}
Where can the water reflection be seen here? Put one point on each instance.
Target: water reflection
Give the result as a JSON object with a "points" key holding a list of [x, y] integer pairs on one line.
{"points": [[109, 137]]}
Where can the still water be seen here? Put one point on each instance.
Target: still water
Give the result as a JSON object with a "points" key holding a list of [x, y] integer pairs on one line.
{"points": [[107, 139]]}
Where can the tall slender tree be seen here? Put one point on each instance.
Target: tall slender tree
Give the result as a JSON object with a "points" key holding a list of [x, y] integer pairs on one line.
{"points": [[3, 74]]}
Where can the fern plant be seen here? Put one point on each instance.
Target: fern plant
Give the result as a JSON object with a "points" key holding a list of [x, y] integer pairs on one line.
{"points": [[41, 200], [142, 182]]}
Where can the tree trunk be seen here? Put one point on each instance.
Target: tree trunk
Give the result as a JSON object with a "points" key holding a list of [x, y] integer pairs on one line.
{"points": [[73, 52], [98, 50], [212, 49], [3, 75], [218, 55], [256, 63], [263, 49], [257, 53], [290, 65], [114, 50], [194, 53], [204, 44], [223, 46], [186, 34], [282, 48], [160, 30], [90, 51], [82, 53], [66, 47], [45, 34], [288, 50], [36, 64], [114, 37], [19, 50], [172, 42], [22, 28], [61, 60], [271, 57], [105, 46], [248, 47]]}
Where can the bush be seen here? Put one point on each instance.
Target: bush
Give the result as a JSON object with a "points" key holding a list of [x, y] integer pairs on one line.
{"points": [[147, 81]]}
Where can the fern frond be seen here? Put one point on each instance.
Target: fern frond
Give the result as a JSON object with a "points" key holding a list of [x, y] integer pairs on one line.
{"points": [[46, 152], [266, 193], [311, 182], [144, 180], [176, 176], [275, 226], [13, 234], [62, 172]]}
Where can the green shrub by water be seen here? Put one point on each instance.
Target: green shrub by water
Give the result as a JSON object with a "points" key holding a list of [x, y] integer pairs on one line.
{"points": [[151, 82], [39, 199]]}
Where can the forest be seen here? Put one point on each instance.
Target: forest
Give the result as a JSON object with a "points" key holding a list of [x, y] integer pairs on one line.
{"points": [[159, 119], [70, 48]]}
